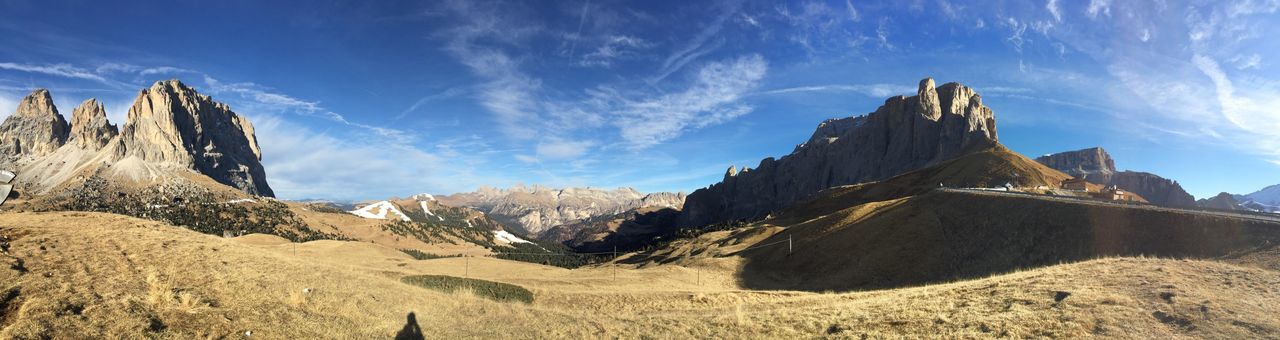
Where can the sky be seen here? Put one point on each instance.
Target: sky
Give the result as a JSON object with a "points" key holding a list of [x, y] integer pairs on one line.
{"points": [[372, 99]]}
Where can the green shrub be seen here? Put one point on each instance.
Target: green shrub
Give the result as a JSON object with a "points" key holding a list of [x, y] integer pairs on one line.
{"points": [[420, 255], [497, 291]]}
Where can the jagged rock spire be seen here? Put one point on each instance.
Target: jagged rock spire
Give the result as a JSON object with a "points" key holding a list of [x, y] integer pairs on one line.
{"points": [[35, 128], [172, 123], [90, 129]]}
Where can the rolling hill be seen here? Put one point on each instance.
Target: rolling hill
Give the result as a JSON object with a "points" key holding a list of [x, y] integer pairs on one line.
{"points": [[75, 274]]}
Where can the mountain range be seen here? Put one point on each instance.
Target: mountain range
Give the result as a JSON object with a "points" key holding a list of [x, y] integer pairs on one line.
{"points": [[532, 210], [172, 132], [1096, 165], [904, 134]]}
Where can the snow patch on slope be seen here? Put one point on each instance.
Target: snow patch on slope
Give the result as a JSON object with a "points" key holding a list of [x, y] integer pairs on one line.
{"points": [[508, 238], [380, 210]]}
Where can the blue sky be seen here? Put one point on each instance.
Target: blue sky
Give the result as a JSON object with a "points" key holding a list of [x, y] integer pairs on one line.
{"points": [[369, 99]]}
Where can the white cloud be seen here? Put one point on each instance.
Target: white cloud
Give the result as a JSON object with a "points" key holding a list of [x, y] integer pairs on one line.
{"points": [[695, 48], [448, 93], [615, 47], [8, 105], [1249, 110], [61, 70], [1017, 30], [301, 163], [562, 149], [1146, 35], [711, 99], [139, 70], [1097, 7], [262, 98], [853, 12], [871, 90], [1247, 62], [1052, 6]]}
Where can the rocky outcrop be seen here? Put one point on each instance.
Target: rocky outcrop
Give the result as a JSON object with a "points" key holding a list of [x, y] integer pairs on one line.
{"points": [[1157, 190], [535, 209], [1223, 201], [35, 129], [1096, 166], [90, 129], [1265, 200], [170, 127], [172, 123], [1093, 164], [904, 134]]}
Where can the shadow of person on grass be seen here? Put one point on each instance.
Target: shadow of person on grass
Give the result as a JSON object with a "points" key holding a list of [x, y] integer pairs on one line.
{"points": [[411, 331]]}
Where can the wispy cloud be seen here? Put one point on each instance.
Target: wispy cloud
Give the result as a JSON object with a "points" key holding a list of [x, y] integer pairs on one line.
{"points": [[582, 21], [871, 90], [695, 47], [1054, 10], [303, 163], [713, 98], [1252, 110], [563, 149], [447, 93], [264, 98], [61, 70], [1098, 7], [615, 47]]}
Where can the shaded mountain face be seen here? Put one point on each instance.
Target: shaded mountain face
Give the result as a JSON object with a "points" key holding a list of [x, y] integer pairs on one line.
{"points": [[171, 128], [904, 134], [1096, 166], [1265, 200], [535, 209], [1223, 201]]}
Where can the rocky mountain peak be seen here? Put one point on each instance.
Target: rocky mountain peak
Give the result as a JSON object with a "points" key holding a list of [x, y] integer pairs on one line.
{"points": [[535, 209], [170, 126], [904, 134], [35, 129], [172, 123], [90, 129], [1095, 165], [1081, 163]]}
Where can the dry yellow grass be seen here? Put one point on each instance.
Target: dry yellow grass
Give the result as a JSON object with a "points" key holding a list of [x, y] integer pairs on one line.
{"points": [[101, 275]]}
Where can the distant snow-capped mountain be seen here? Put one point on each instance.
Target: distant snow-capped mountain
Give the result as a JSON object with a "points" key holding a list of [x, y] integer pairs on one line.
{"points": [[1267, 199]]}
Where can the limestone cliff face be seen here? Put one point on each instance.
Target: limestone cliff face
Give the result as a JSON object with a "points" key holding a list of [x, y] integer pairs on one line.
{"points": [[172, 123], [1091, 164], [904, 134], [169, 126], [90, 129], [536, 209], [1096, 166], [35, 129]]}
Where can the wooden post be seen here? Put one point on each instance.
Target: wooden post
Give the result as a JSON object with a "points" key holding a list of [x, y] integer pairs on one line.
{"points": [[788, 244], [615, 262], [466, 266]]}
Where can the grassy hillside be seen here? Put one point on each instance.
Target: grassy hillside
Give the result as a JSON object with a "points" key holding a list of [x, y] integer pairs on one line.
{"points": [[992, 167], [944, 236], [108, 276]]}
